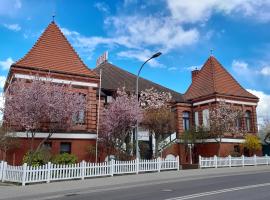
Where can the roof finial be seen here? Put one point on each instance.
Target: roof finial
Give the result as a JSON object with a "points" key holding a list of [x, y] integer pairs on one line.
{"points": [[211, 52], [53, 16]]}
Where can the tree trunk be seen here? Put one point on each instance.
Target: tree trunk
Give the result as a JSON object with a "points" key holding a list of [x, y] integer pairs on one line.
{"points": [[156, 146], [219, 146]]}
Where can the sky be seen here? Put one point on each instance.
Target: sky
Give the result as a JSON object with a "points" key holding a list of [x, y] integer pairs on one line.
{"points": [[185, 31]]}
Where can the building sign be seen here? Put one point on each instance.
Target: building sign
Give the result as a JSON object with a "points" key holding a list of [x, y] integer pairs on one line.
{"points": [[102, 59]]}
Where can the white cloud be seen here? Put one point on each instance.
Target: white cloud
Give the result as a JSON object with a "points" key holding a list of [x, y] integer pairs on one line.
{"points": [[191, 68], [137, 35], [2, 81], [239, 65], [13, 27], [141, 56], [193, 11], [265, 71], [10, 7], [162, 32], [103, 7], [263, 108], [5, 64]]}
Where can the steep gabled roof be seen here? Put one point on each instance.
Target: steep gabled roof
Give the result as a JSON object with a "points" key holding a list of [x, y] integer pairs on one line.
{"points": [[53, 52], [214, 79], [114, 77]]}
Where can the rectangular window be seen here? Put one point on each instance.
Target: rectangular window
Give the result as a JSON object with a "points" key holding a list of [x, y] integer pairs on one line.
{"points": [[65, 147], [47, 145], [186, 121], [196, 117], [79, 117], [205, 114]]}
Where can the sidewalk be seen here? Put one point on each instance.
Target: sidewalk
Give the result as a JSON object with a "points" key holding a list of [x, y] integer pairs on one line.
{"points": [[56, 188]]}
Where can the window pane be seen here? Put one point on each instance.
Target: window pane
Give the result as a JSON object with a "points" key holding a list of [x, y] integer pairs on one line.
{"points": [[196, 120], [186, 121], [65, 147], [248, 120], [206, 118]]}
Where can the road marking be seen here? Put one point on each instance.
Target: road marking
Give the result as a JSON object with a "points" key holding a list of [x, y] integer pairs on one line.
{"points": [[193, 196]]}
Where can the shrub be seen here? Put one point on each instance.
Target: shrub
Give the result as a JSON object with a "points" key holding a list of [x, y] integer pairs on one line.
{"points": [[38, 158], [252, 143], [64, 159]]}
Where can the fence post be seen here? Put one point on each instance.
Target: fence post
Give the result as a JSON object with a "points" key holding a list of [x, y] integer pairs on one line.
{"points": [[267, 159], [200, 161], [24, 174], [178, 163], [159, 163], [82, 166], [112, 162], [230, 160], [4, 171], [48, 172], [1, 169], [137, 165], [255, 160], [243, 161], [215, 160]]}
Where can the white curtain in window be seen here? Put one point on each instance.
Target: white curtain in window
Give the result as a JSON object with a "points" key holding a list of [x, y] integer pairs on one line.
{"points": [[196, 116], [205, 114]]}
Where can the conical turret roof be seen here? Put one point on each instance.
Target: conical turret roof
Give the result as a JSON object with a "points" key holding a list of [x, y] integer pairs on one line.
{"points": [[213, 79], [53, 52]]}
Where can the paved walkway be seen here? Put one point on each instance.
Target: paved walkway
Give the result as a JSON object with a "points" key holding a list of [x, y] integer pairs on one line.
{"points": [[8, 191]]}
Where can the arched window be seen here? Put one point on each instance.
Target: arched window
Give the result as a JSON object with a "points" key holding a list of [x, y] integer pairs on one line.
{"points": [[186, 123], [248, 121]]}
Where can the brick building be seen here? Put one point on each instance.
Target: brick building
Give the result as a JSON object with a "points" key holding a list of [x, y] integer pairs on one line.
{"points": [[53, 54]]}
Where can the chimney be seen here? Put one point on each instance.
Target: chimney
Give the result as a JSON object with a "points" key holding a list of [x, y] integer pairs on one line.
{"points": [[194, 73]]}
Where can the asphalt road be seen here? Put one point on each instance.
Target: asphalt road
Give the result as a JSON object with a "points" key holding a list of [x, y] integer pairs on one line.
{"points": [[255, 185]]}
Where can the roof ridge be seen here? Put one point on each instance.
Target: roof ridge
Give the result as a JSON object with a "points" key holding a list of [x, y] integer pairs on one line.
{"points": [[213, 73], [140, 77], [71, 46]]}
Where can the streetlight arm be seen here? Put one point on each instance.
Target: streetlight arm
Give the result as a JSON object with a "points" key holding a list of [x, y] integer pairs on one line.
{"points": [[137, 96]]}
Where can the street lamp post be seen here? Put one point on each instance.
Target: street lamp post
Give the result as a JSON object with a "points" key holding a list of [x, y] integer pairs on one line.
{"points": [[137, 95]]}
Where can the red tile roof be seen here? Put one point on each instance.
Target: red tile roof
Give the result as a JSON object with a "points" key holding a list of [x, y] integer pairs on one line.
{"points": [[213, 79], [53, 52]]}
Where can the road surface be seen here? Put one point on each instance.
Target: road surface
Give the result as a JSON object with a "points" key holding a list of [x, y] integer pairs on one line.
{"points": [[202, 184]]}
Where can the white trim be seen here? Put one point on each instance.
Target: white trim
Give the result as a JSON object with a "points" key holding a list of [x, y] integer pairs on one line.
{"points": [[84, 136], [223, 140], [204, 102], [226, 100], [56, 80], [238, 102]]}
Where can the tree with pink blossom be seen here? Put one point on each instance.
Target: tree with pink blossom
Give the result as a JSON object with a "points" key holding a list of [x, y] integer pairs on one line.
{"points": [[224, 120], [40, 105], [158, 118], [117, 123]]}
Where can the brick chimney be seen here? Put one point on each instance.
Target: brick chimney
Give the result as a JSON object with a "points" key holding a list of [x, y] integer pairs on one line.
{"points": [[194, 73]]}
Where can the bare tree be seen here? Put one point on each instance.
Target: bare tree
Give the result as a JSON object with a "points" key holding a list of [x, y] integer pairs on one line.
{"points": [[266, 131], [7, 140]]}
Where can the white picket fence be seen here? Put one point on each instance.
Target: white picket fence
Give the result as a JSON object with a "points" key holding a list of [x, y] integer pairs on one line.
{"points": [[53, 172], [216, 162]]}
